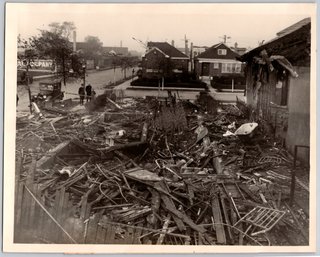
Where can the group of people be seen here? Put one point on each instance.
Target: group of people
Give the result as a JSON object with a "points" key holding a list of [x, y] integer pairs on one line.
{"points": [[87, 92]]}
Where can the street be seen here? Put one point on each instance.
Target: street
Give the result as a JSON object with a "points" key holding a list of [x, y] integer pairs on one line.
{"points": [[98, 80]]}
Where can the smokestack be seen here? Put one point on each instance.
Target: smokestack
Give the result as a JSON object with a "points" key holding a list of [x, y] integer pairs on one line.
{"points": [[121, 43], [74, 41], [172, 42]]}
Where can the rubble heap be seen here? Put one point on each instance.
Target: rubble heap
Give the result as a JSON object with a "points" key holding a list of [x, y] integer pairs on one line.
{"points": [[167, 168]]}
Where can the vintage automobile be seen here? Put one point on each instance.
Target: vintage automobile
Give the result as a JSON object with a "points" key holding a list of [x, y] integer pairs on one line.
{"points": [[49, 91]]}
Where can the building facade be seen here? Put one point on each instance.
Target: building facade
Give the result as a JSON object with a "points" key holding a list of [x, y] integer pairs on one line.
{"points": [[219, 67], [163, 60]]}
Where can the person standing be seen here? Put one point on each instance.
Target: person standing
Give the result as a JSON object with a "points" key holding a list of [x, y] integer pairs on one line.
{"points": [[81, 93], [89, 91]]}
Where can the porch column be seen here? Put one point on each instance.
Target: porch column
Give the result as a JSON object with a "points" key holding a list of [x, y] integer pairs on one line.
{"points": [[232, 85]]}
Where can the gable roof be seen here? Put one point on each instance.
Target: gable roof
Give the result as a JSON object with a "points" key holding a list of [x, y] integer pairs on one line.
{"points": [[294, 27], [168, 49], [212, 53], [118, 50], [157, 49], [293, 43]]}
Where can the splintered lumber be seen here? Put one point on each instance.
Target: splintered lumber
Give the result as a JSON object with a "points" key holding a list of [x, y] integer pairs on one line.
{"points": [[134, 214], [226, 217], [301, 228], [105, 224], [178, 216], [221, 237], [144, 133], [125, 146], [49, 158], [142, 174], [55, 110], [169, 205], [164, 229], [115, 104]]}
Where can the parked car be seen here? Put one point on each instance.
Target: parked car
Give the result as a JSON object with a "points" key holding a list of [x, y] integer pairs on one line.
{"points": [[49, 91]]}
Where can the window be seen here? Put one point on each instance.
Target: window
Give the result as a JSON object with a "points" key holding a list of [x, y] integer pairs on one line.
{"points": [[222, 51], [216, 65], [231, 68]]}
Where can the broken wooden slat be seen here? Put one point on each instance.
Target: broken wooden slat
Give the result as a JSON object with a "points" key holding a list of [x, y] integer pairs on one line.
{"points": [[168, 204], [58, 217], [144, 133], [48, 159], [216, 211], [226, 217], [164, 229]]}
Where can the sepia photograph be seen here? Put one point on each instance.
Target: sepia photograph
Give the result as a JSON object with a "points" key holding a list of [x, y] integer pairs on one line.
{"points": [[160, 128]]}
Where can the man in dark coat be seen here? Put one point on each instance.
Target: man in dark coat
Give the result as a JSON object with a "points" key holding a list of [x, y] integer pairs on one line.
{"points": [[89, 91], [81, 94]]}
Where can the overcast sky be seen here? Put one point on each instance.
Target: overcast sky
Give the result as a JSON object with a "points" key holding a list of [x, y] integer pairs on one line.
{"points": [[203, 24]]}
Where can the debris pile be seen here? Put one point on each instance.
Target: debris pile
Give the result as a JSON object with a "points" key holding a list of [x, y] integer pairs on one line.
{"points": [[180, 175]]}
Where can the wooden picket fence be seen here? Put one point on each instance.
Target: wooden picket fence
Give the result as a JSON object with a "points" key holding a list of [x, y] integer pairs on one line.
{"points": [[37, 223], [41, 218]]}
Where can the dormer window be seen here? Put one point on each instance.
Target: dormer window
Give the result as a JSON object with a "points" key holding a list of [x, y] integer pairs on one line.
{"points": [[222, 51]]}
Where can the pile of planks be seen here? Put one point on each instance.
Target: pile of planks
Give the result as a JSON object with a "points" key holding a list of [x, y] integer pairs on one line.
{"points": [[178, 184]]}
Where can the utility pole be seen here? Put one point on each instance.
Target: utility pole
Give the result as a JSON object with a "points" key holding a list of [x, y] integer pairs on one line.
{"points": [[28, 86], [186, 40], [84, 73], [225, 37]]}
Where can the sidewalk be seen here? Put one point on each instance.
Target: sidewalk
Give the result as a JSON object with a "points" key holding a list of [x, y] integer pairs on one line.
{"points": [[226, 97]]}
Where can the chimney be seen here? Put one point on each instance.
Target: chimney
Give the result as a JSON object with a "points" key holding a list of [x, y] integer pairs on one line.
{"points": [[236, 46], [74, 41], [186, 50], [172, 42], [121, 43]]}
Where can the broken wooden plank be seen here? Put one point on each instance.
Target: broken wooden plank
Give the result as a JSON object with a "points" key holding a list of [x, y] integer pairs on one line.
{"points": [[164, 229], [49, 158], [216, 211], [158, 231], [226, 218], [144, 133], [114, 103], [301, 228]]}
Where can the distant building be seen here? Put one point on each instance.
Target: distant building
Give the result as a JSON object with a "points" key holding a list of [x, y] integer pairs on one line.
{"points": [[196, 50], [238, 50], [218, 66], [124, 51], [163, 60]]}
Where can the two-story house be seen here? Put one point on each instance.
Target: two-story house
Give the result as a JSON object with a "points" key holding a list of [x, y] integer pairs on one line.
{"points": [[163, 60], [219, 67]]}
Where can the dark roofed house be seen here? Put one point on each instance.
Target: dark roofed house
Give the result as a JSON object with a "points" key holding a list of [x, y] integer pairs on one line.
{"points": [[163, 60], [218, 66], [117, 50], [278, 84]]}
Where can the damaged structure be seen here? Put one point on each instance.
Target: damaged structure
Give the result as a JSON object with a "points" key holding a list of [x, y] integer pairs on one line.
{"points": [[155, 171], [278, 85]]}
